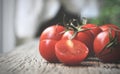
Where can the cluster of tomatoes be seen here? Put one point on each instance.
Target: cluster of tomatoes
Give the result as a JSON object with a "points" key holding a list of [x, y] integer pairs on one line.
{"points": [[74, 44]]}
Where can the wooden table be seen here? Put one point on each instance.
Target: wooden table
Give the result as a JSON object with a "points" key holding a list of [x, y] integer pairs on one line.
{"points": [[26, 60]]}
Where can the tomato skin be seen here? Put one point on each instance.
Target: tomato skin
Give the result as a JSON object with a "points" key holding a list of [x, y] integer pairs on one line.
{"points": [[53, 32], [71, 52], [89, 25], [95, 30], [48, 39], [81, 36], [47, 50], [67, 35], [108, 26], [85, 37], [101, 41]]}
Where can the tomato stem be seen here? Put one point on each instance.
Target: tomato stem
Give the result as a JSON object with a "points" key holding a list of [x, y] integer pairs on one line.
{"points": [[74, 24], [113, 42]]}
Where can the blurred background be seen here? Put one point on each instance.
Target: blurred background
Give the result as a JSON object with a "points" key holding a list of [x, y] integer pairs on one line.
{"points": [[23, 20]]}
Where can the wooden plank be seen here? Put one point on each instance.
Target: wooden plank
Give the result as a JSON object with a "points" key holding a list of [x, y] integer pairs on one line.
{"points": [[26, 60]]}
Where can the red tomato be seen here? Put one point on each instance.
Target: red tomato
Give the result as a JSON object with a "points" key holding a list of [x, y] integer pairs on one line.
{"points": [[84, 37], [89, 25], [95, 30], [71, 52], [101, 43], [48, 39], [47, 50], [53, 32], [107, 26]]}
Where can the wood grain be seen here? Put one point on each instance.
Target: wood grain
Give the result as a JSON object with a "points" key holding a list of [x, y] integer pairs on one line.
{"points": [[26, 60]]}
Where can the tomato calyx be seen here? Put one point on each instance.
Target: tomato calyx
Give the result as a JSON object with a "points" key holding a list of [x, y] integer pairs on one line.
{"points": [[75, 26], [112, 43], [77, 30]]}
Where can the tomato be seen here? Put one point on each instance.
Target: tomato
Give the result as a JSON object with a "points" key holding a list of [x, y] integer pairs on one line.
{"points": [[49, 37], [47, 50], [107, 46], [89, 25], [53, 32], [84, 37], [107, 26], [71, 52], [95, 30]]}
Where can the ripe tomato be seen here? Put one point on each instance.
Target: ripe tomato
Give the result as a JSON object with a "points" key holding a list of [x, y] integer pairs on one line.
{"points": [[107, 46], [84, 37], [53, 32], [95, 30], [71, 52], [47, 50], [48, 39], [89, 25], [107, 26]]}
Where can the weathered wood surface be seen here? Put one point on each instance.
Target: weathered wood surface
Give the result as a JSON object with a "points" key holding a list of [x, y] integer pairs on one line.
{"points": [[26, 60]]}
